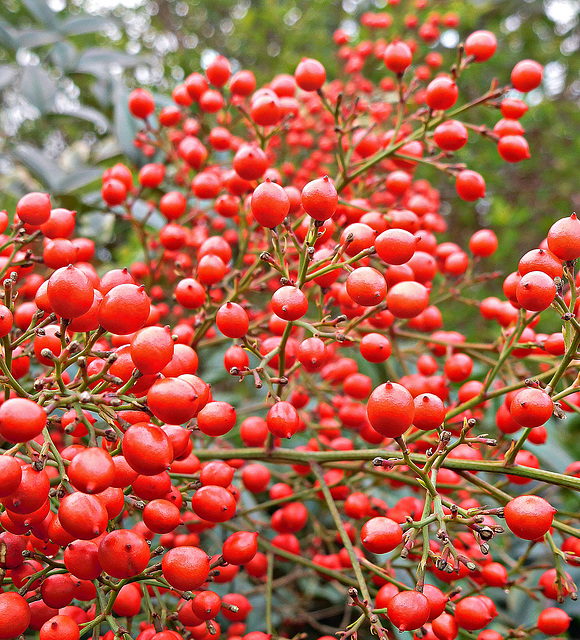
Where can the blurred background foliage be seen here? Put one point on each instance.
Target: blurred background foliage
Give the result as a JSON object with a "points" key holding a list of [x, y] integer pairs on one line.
{"points": [[66, 68]]}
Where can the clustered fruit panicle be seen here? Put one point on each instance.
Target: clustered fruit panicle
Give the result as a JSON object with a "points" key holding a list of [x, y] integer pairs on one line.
{"points": [[301, 254]]}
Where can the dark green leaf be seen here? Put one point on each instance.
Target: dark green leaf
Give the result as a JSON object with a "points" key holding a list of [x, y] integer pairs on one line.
{"points": [[43, 168], [38, 88]]}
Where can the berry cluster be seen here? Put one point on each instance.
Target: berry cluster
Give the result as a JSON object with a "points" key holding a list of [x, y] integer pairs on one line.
{"points": [[142, 496]]}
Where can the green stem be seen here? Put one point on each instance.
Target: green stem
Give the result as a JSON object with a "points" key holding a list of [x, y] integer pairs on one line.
{"points": [[292, 456], [269, 580], [341, 530]]}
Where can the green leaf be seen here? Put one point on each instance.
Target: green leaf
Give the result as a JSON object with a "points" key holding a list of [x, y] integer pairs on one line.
{"points": [[102, 90], [64, 55], [77, 25], [98, 225], [42, 12], [77, 180], [8, 36], [31, 38], [97, 61], [43, 168], [38, 88], [88, 114], [8, 73], [126, 126], [162, 100]]}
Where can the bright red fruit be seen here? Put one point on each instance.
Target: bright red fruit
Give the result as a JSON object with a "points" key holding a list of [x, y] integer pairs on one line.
{"points": [[21, 420], [391, 409], [529, 517], [60, 285]]}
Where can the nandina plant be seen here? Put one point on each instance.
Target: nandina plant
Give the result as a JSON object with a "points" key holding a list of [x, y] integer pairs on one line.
{"points": [[377, 472]]}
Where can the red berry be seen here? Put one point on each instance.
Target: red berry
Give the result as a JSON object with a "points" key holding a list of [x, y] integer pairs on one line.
{"points": [[395, 246], [60, 285], [141, 103], [82, 516], [470, 185], [441, 93], [218, 71], [232, 320], [529, 517], [190, 294], [513, 148], [429, 412], [289, 303], [213, 503], [473, 613], [450, 135], [390, 409], [123, 553], [216, 418], [320, 199], [283, 420], [15, 615], [408, 610], [92, 470], [397, 57], [114, 192], [146, 447], [531, 407], [483, 243], [481, 45], [366, 286], [310, 74], [375, 347], [124, 309], [527, 75], [21, 420], [381, 535], [513, 108], [152, 349], [270, 204], [10, 472], [553, 621], [185, 568], [34, 208], [243, 83], [161, 516], [535, 291], [407, 299], [564, 238], [250, 162]]}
